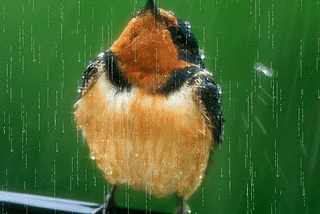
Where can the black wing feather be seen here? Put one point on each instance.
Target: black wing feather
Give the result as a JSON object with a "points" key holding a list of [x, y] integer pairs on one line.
{"points": [[108, 62], [209, 93]]}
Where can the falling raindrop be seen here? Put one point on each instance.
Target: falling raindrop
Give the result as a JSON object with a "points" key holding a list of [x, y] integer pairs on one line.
{"points": [[258, 66], [202, 54]]}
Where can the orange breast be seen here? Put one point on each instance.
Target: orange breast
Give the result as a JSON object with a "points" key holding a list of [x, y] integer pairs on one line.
{"points": [[152, 142]]}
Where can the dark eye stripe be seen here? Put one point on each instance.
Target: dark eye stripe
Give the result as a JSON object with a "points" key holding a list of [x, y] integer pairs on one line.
{"points": [[186, 43]]}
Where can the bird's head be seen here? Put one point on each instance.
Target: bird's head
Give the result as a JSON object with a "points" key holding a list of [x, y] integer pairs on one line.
{"points": [[155, 42]]}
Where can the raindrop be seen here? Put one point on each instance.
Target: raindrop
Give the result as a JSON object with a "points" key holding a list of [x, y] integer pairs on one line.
{"points": [[202, 54], [187, 24], [108, 170], [258, 66]]}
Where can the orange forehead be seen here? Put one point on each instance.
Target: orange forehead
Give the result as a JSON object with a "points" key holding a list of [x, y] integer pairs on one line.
{"points": [[142, 27], [149, 22]]}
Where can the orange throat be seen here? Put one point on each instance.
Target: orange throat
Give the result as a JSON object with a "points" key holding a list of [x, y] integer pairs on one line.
{"points": [[147, 52]]}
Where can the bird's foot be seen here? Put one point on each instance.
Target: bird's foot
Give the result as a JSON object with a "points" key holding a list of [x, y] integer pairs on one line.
{"points": [[109, 206], [184, 208]]}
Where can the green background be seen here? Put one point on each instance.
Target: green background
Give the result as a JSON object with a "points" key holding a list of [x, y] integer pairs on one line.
{"points": [[269, 160]]}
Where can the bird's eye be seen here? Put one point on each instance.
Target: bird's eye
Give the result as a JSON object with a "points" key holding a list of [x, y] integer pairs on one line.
{"points": [[181, 39]]}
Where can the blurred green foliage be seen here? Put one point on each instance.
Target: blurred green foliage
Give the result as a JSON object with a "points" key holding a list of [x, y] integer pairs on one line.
{"points": [[269, 160]]}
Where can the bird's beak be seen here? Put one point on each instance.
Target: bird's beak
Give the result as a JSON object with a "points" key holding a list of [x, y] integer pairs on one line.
{"points": [[150, 5]]}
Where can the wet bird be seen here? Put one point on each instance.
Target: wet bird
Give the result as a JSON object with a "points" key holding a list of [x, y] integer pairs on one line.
{"points": [[149, 109]]}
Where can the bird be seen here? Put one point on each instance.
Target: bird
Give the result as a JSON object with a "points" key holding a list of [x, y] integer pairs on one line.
{"points": [[149, 109]]}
